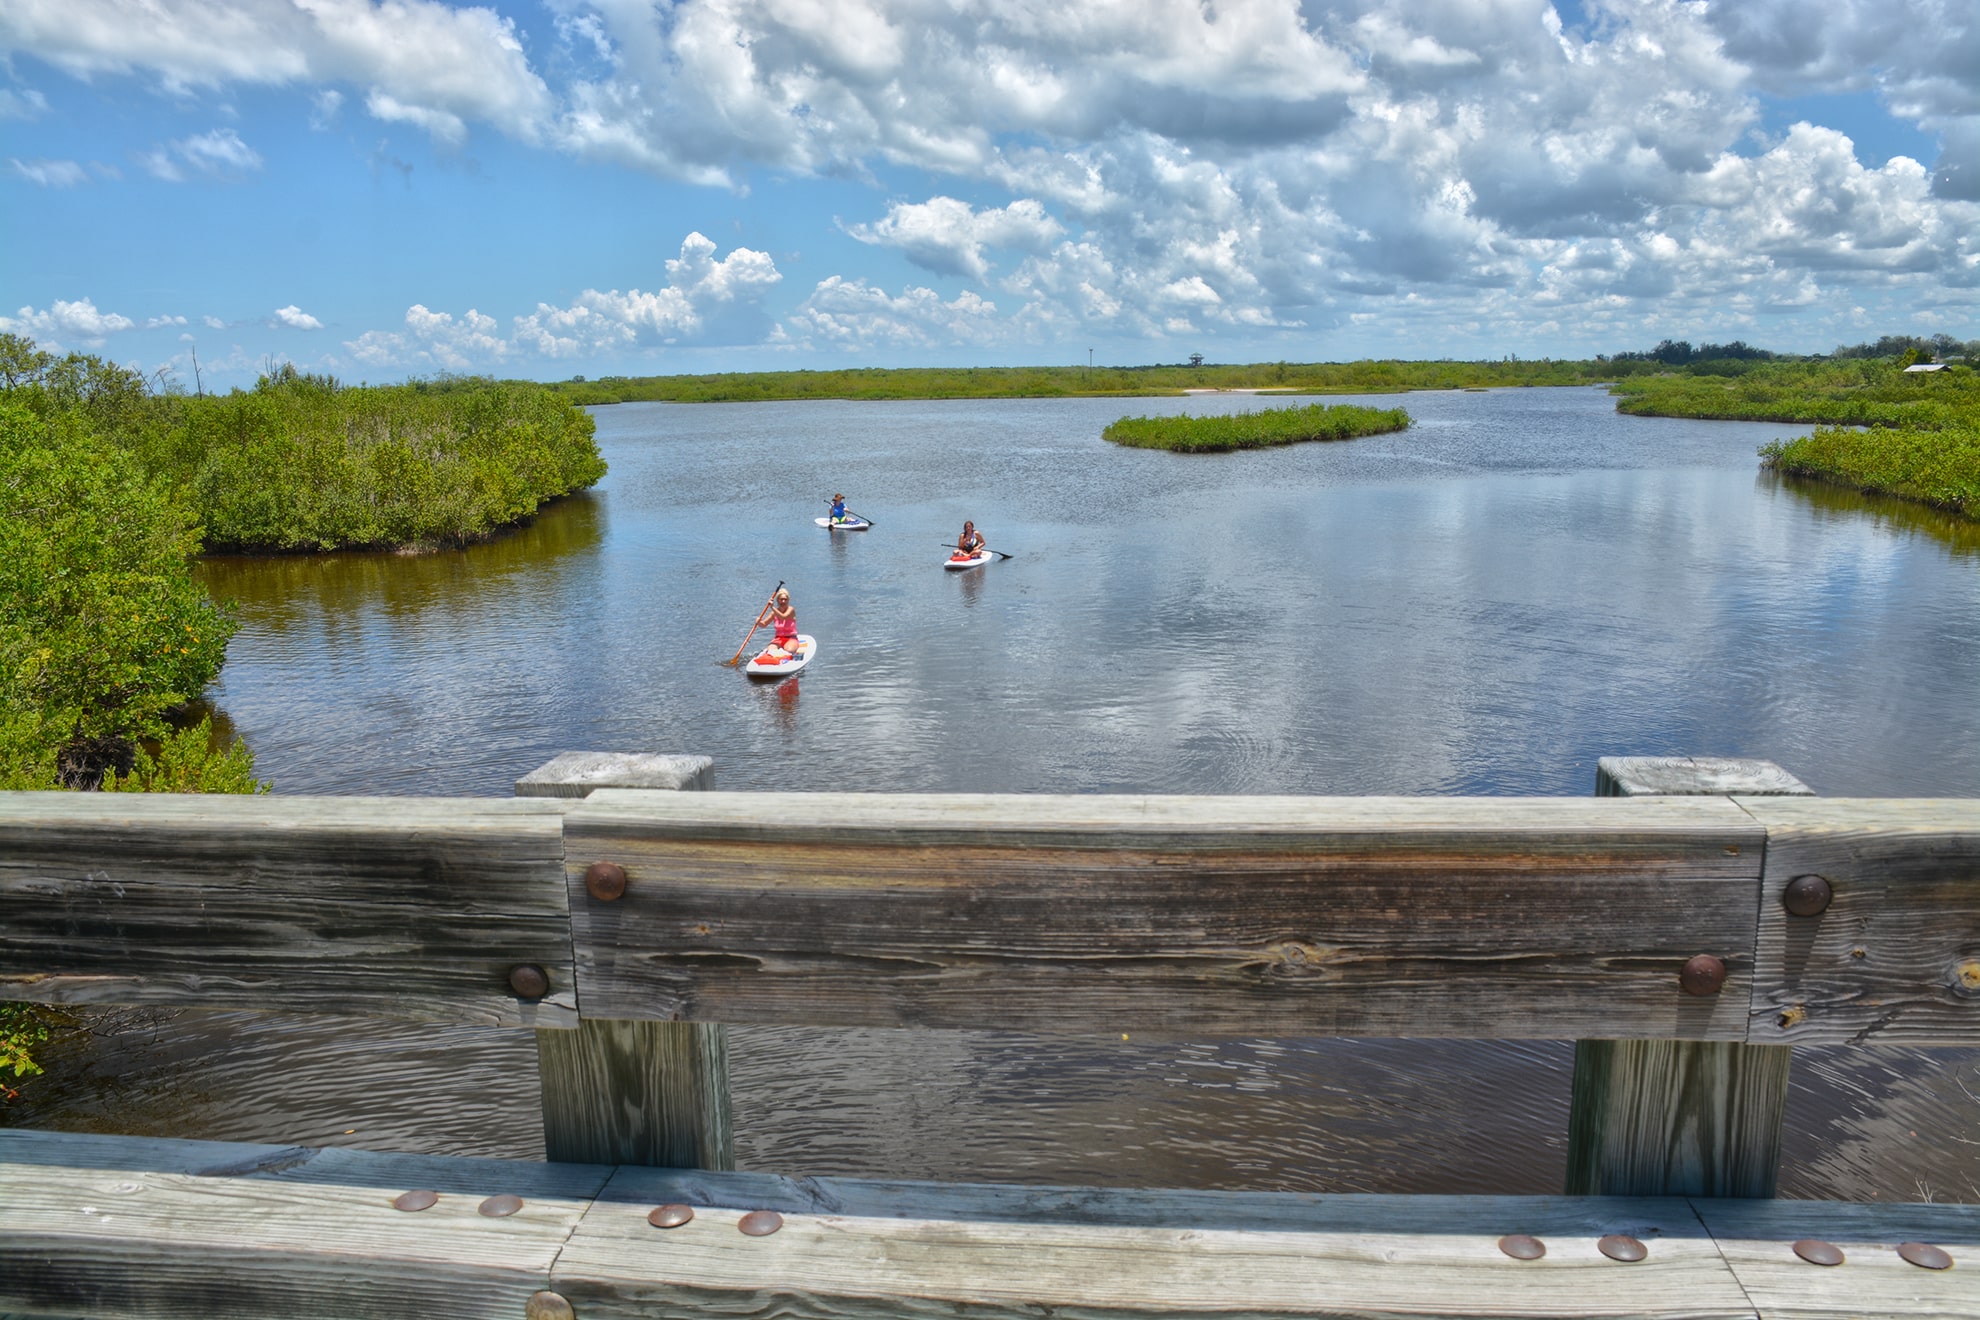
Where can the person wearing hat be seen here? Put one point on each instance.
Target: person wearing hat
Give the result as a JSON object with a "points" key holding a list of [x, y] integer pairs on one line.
{"points": [[838, 508]]}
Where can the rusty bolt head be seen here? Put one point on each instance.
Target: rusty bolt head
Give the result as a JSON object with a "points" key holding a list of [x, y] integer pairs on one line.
{"points": [[670, 1216], [605, 881], [1522, 1246], [760, 1223], [1622, 1247], [1807, 896], [528, 981], [1703, 975], [419, 1200], [1925, 1256], [1817, 1252], [500, 1207], [547, 1306]]}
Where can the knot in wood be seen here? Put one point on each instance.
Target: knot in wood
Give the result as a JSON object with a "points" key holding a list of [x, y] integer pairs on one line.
{"points": [[1296, 959], [1966, 976]]}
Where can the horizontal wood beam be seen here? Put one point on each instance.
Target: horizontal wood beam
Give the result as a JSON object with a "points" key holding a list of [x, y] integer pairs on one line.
{"points": [[1292, 916], [394, 907], [1880, 943], [1482, 917], [148, 1228]]}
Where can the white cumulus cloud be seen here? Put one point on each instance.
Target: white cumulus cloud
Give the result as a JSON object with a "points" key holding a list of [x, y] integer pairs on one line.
{"points": [[295, 318], [948, 237], [62, 322], [705, 299]]}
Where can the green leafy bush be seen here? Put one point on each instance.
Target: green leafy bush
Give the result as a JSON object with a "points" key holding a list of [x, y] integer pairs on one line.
{"points": [[102, 629], [1940, 468], [1254, 430]]}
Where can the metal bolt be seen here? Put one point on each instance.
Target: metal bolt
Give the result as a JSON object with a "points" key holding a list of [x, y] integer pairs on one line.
{"points": [[1817, 1252], [500, 1207], [670, 1216], [1807, 896], [1925, 1256], [528, 981], [760, 1223], [1622, 1247], [547, 1306], [419, 1200], [1703, 975], [605, 881], [1521, 1246]]}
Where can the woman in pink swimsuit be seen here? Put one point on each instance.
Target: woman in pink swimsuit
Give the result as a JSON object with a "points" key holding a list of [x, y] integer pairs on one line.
{"points": [[783, 617]]}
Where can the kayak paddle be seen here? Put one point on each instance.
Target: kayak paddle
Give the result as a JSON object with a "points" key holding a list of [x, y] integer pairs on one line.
{"points": [[950, 547], [862, 517], [736, 659]]}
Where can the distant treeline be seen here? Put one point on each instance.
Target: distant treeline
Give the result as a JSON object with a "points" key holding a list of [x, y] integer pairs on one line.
{"points": [[1370, 377], [1222, 432]]}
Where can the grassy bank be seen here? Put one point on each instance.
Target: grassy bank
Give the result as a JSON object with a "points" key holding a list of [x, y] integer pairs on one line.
{"points": [[1255, 430], [1936, 467], [1878, 428], [1071, 382]]}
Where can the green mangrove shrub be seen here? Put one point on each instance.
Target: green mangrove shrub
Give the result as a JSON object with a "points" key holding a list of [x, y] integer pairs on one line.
{"points": [[1220, 433]]}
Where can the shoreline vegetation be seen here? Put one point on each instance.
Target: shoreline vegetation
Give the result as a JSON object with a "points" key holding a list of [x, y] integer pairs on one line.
{"points": [[1366, 377], [1222, 433], [1878, 427]]}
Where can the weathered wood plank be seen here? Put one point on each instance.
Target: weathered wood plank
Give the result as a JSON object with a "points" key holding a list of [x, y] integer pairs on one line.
{"points": [[1756, 1239], [1680, 1117], [127, 1227], [580, 774], [638, 1093], [1895, 957], [1655, 776], [1677, 1117], [400, 907], [850, 1249], [1316, 916]]}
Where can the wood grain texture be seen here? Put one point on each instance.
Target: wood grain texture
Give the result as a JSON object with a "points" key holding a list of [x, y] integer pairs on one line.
{"points": [[1690, 776], [397, 907], [1895, 959], [1676, 1118], [1755, 1236], [853, 1249], [646, 1093], [1309, 916], [128, 1227]]}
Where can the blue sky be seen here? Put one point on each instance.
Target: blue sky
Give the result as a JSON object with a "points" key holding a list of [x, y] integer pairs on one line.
{"points": [[587, 187]]}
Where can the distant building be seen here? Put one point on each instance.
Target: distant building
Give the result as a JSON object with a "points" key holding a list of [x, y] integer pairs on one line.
{"points": [[1924, 366]]}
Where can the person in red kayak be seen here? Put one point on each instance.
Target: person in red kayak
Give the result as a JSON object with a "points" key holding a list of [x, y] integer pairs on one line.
{"points": [[970, 542], [783, 617]]}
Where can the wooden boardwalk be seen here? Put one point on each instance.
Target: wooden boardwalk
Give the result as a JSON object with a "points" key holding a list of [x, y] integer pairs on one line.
{"points": [[153, 1228], [1684, 937]]}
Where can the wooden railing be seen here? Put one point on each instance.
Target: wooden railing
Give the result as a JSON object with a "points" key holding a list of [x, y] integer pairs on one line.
{"points": [[1480, 917], [1684, 940]]}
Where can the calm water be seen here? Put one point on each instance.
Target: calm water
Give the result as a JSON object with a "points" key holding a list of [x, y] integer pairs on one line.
{"points": [[1521, 583]]}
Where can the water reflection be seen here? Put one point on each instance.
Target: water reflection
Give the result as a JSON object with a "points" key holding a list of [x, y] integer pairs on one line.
{"points": [[1841, 504]]}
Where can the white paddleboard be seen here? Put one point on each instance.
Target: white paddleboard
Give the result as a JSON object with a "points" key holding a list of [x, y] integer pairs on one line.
{"points": [[849, 525], [761, 667], [980, 557]]}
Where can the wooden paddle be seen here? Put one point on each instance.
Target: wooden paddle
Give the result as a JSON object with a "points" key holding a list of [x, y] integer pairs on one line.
{"points": [[761, 615], [950, 546]]}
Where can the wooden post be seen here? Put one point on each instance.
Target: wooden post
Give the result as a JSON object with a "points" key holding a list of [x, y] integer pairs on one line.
{"points": [[649, 1093], [1673, 1117]]}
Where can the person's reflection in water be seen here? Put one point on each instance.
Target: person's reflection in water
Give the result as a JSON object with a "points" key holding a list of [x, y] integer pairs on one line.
{"points": [[786, 707]]}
